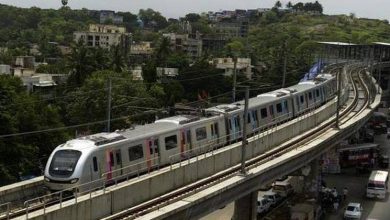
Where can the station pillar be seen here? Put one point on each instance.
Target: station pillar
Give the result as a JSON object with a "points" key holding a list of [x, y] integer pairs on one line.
{"points": [[245, 208], [312, 179]]}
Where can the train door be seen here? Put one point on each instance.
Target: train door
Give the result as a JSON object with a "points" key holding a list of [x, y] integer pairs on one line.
{"points": [[234, 127], [152, 152], [110, 163], [253, 119], [118, 163], [271, 112], [185, 141], [306, 100], [215, 132]]}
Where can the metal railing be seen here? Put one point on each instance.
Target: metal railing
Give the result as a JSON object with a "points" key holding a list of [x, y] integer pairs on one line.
{"points": [[5, 211]]}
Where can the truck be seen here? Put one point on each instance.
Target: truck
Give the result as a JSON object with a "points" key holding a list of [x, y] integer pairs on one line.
{"points": [[303, 211]]}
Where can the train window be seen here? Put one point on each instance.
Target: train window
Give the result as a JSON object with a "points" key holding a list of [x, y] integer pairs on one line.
{"points": [[201, 133], [95, 164], [212, 130], [216, 132], [171, 142], [317, 92], [302, 99], [263, 113], [111, 159], [310, 96], [136, 152], [279, 108], [248, 118]]}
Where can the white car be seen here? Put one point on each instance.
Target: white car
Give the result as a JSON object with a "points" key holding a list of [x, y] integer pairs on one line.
{"points": [[263, 205], [353, 211], [273, 197]]}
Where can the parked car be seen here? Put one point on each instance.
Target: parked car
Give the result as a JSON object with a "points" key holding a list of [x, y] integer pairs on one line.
{"points": [[273, 197], [353, 211], [283, 188], [263, 205]]}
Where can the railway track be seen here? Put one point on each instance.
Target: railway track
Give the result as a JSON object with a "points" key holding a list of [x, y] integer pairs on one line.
{"points": [[358, 104], [174, 196]]}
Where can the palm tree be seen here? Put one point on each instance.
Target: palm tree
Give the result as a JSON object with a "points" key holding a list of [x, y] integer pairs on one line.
{"points": [[117, 59], [80, 63], [289, 5], [278, 4], [163, 51]]}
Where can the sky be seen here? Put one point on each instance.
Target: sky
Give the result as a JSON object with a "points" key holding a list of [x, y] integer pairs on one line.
{"points": [[177, 8]]}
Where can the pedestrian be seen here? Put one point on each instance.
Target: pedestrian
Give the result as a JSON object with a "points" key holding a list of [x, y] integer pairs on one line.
{"points": [[336, 205], [334, 192], [345, 193]]}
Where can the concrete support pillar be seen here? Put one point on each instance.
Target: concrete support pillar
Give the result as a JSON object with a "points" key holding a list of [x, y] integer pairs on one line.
{"points": [[312, 178], [246, 207]]}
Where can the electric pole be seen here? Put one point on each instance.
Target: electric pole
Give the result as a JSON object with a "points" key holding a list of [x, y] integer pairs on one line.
{"points": [[284, 64], [109, 85], [244, 142], [234, 78], [338, 99]]}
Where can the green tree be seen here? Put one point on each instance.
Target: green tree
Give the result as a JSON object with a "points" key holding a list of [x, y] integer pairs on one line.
{"points": [[80, 62], [152, 19], [289, 5], [278, 4], [20, 112], [117, 58], [163, 51], [85, 106], [192, 17]]}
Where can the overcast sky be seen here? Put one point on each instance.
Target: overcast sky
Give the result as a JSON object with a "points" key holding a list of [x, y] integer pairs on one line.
{"points": [[176, 8]]}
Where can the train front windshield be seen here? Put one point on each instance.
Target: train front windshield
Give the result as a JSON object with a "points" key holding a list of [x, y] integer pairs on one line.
{"points": [[64, 163]]}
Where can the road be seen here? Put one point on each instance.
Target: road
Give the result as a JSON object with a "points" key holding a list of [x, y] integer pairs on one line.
{"points": [[356, 184], [372, 208]]}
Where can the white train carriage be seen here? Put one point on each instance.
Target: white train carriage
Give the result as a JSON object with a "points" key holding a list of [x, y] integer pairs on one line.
{"points": [[111, 155]]}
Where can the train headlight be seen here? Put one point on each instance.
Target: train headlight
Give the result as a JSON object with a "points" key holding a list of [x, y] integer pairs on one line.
{"points": [[74, 180], [47, 179]]}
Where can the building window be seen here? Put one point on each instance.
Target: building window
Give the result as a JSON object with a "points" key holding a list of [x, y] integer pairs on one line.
{"points": [[171, 142], [201, 133], [136, 152]]}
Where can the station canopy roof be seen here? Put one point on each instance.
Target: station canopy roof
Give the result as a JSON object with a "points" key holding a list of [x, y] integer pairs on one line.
{"points": [[381, 43], [337, 43]]}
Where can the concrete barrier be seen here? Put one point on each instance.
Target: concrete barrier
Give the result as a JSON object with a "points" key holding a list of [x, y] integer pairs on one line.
{"points": [[19, 191]]}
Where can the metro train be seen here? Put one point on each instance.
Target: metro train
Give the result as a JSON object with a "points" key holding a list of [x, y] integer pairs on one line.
{"points": [[86, 159]]}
